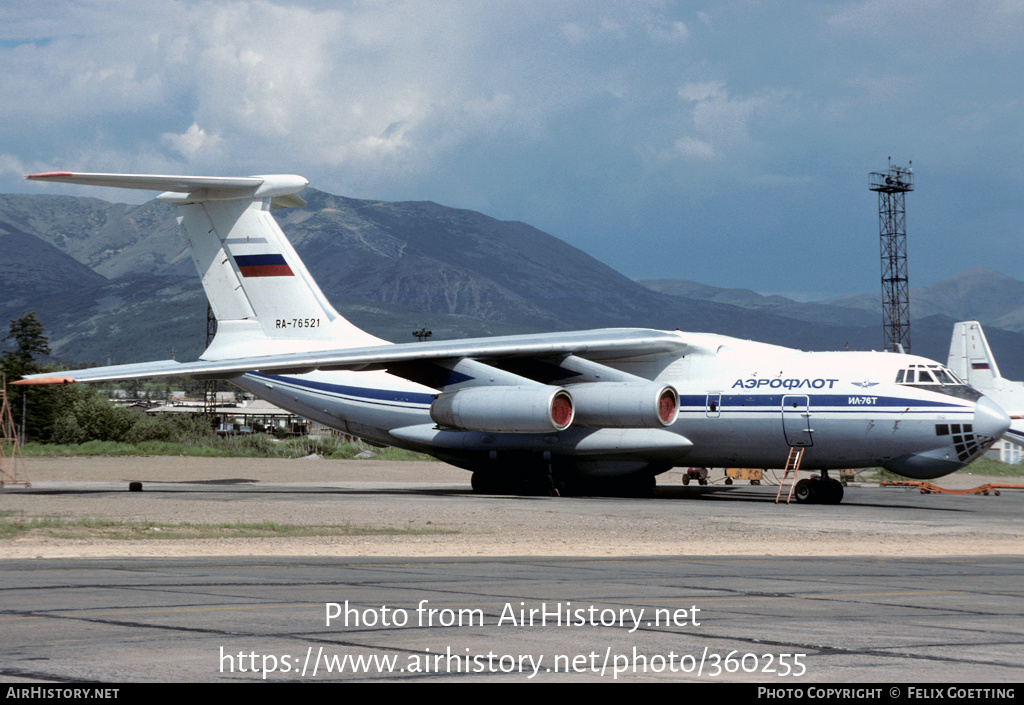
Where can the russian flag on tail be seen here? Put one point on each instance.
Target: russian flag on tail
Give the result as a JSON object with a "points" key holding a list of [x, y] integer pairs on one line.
{"points": [[263, 266]]}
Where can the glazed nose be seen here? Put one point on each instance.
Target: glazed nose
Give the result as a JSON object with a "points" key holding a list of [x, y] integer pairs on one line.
{"points": [[989, 419]]}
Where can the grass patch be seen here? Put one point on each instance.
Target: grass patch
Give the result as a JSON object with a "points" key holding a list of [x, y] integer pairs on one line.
{"points": [[981, 466], [878, 475], [990, 466], [401, 454], [88, 528], [114, 448], [255, 446]]}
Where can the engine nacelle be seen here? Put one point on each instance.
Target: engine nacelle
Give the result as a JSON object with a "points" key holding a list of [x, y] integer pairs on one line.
{"points": [[533, 409], [624, 404]]}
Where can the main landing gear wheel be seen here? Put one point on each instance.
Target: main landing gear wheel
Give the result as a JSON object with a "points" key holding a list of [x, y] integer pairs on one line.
{"points": [[816, 490], [538, 485], [641, 486], [830, 491], [805, 491], [484, 483]]}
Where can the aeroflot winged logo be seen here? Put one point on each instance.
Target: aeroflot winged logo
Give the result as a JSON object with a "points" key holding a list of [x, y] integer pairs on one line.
{"points": [[263, 266]]}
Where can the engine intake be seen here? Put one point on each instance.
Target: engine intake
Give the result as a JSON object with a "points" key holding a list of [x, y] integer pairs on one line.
{"points": [[624, 404], [533, 409]]}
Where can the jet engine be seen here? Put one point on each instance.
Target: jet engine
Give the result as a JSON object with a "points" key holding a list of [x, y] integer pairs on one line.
{"points": [[500, 409], [624, 405]]}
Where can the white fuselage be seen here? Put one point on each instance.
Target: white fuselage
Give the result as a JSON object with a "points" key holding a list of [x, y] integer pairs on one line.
{"points": [[742, 404]]}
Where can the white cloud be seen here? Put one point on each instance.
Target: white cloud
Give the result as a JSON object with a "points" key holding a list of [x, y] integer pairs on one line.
{"points": [[706, 90], [12, 165], [574, 33], [910, 28], [566, 115], [721, 122], [320, 83], [690, 148], [193, 142], [669, 31]]}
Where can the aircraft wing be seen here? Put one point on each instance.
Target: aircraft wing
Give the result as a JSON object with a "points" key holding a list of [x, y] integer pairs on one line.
{"points": [[1016, 433], [602, 344]]}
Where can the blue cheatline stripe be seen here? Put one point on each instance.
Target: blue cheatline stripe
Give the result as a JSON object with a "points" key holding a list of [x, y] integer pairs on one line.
{"points": [[367, 394], [771, 403], [819, 402]]}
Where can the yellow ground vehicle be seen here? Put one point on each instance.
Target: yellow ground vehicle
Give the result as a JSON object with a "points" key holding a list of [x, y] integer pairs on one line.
{"points": [[752, 474]]}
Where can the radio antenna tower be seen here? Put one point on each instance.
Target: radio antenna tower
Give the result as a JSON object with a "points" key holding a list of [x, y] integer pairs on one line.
{"points": [[892, 186]]}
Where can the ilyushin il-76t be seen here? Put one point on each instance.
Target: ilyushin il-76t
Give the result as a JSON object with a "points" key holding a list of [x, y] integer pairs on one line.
{"points": [[615, 406]]}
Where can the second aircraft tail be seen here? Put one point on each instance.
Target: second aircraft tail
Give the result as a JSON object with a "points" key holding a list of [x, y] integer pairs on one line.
{"points": [[971, 359]]}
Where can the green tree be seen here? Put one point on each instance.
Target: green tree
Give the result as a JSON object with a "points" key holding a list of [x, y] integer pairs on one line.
{"points": [[30, 343], [102, 421], [27, 334]]}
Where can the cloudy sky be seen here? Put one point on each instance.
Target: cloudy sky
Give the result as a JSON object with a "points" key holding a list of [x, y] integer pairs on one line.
{"points": [[723, 141]]}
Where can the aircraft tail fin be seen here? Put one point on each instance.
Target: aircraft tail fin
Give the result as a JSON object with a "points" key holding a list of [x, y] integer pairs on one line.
{"points": [[258, 288], [971, 359], [970, 356]]}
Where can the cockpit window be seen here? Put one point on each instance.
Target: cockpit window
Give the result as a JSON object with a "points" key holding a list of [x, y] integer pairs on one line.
{"points": [[936, 378]]}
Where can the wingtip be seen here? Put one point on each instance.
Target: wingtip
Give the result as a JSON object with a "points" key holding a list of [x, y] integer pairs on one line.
{"points": [[54, 379], [48, 175]]}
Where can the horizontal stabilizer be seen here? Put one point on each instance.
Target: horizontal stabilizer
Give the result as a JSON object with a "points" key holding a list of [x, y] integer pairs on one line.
{"points": [[280, 187]]}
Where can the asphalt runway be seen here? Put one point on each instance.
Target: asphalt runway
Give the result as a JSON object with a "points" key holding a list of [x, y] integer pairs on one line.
{"points": [[453, 522], [841, 620], [904, 590]]}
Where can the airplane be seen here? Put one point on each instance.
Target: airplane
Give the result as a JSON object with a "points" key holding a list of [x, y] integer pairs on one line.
{"points": [[529, 413], [971, 359]]}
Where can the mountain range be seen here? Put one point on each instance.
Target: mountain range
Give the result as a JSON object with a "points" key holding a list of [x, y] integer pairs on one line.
{"points": [[114, 282]]}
